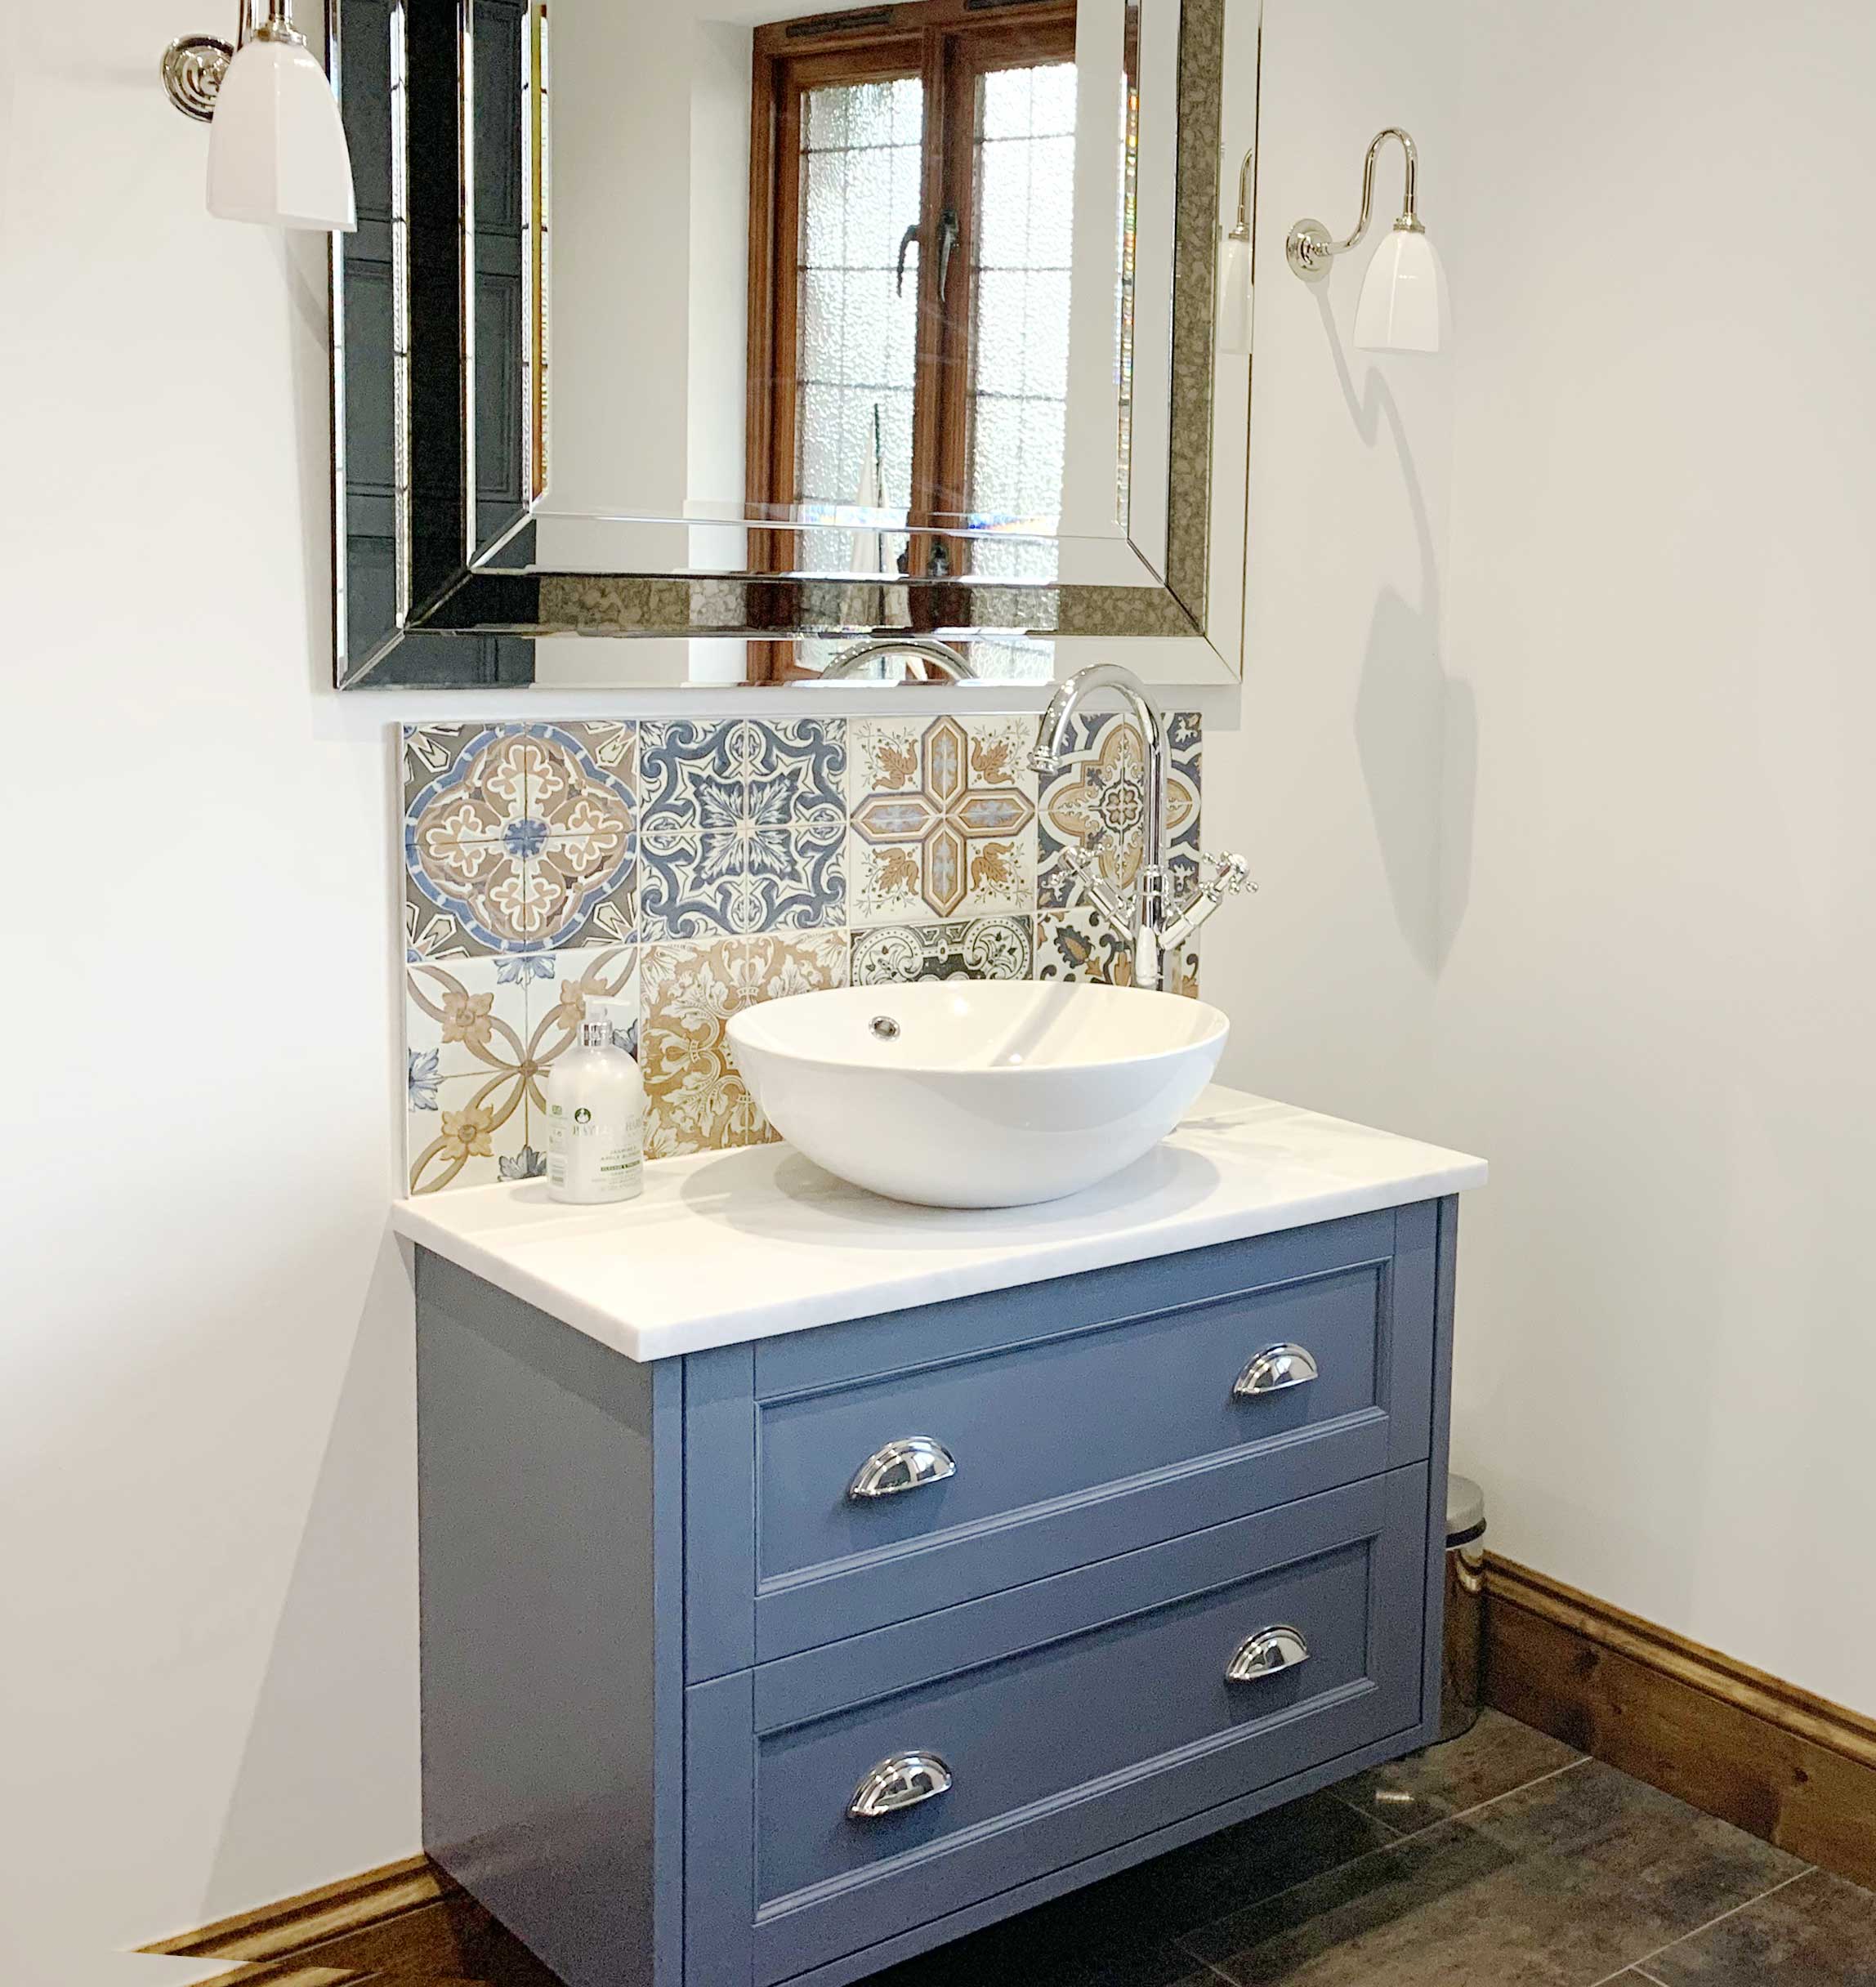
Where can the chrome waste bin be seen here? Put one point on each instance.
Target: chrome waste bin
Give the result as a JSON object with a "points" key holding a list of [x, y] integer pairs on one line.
{"points": [[1461, 1672]]}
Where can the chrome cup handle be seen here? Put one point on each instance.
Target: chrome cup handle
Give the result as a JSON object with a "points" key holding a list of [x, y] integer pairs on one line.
{"points": [[895, 1784], [1279, 1647], [1275, 1370], [907, 1464]]}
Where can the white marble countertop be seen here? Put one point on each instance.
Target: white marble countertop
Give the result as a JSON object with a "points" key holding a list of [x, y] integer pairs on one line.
{"points": [[731, 1245]]}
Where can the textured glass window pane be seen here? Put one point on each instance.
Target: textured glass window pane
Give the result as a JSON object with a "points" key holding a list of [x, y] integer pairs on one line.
{"points": [[824, 210], [824, 119], [1045, 428], [1051, 202], [1004, 103], [1045, 333], [869, 114], [1024, 173], [1003, 202], [996, 451], [855, 357], [1051, 100], [818, 412]]}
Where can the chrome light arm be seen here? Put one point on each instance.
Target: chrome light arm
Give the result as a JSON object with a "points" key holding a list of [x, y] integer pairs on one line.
{"points": [[1310, 248]]}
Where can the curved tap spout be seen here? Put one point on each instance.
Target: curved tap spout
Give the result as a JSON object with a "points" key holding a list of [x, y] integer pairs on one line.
{"points": [[952, 663], [1052, 739]]}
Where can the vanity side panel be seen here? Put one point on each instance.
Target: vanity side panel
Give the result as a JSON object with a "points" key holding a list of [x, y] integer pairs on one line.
{"points": [[551, 1522]]}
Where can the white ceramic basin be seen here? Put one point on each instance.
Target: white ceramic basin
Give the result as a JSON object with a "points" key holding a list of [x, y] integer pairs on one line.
{"points": [[978, 1093]]}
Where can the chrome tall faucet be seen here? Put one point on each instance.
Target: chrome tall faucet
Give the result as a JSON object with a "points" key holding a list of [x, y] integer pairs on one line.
{"points": [[1153, 932]]}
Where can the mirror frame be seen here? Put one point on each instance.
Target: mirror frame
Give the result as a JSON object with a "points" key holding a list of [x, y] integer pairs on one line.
{"points": [[458, 624]]}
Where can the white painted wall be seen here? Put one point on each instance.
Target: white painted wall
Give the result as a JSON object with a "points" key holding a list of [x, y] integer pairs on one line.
{"points": [[207, 1645], [1332, 786], [1660, 910]]}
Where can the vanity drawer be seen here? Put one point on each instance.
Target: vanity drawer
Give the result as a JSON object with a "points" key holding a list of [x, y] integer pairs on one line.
{"points": [[1052, 1424], [1068, 1717]]}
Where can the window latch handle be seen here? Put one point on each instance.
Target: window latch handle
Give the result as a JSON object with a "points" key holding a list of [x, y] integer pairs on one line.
{"points": [[948, 238], [906, 242]]}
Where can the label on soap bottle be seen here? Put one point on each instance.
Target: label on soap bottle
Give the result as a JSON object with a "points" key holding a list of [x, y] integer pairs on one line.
{"points": [[586, 1165]]}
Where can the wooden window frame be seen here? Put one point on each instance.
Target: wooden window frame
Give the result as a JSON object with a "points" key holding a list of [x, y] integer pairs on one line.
{"points": [[949, 44]]}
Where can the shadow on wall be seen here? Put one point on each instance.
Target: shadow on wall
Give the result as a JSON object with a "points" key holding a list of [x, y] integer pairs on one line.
{"points": [[355, 1682], [1409, 715]]}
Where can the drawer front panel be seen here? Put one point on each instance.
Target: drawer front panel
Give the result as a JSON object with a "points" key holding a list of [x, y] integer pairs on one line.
{"points": [[1070, 1716], [1109, 1423]]}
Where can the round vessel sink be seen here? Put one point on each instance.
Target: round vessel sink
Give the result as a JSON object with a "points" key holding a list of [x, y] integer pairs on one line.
{"points": [[980, 1093]]}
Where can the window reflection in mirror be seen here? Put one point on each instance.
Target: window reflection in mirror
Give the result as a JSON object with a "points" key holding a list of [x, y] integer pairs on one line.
{"points": [[852, 299]]}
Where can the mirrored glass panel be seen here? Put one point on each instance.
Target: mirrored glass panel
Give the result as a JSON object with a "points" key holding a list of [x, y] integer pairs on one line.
{"points": [[738, 331]]}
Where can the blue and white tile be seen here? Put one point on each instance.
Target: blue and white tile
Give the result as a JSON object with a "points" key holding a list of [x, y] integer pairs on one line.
{"points": [[743, 827], [517, 837], [976, 948], [943, 814], [561, 985], [480, 1036], [1096, 801]]}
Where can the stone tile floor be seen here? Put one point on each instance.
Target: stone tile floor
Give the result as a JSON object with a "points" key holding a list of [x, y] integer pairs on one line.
{"points": [[1503, 1860]]}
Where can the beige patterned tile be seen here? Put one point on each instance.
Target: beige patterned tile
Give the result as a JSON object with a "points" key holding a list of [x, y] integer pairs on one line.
{"points": [[1078, 943], [518, 838], [1096, 801], [943, 820], [465, 1032], [689, 989]]}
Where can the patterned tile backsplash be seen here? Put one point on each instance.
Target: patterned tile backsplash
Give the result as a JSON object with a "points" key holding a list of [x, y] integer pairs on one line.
{"points": [[693, 867]]}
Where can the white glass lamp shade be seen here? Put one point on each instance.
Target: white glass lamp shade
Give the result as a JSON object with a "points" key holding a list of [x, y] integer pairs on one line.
{"points": [[1236, 304], [277, 151], [1403, 306]]}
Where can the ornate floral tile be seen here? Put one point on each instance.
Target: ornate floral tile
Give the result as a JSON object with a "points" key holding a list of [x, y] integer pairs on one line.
{"points": [[1078, 943], [743, 826], [721, 863], [517, 837], [1096, 800], [480, 1034], [943, 820], [982, 949], [690, 989]]}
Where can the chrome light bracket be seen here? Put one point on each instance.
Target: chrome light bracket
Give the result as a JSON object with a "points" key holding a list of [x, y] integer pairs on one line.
{"points": [[193, 67], [1310, 249], [193, 64]]}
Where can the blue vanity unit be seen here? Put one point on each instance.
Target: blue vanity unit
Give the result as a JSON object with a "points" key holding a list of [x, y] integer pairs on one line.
{"points": [[808, 1580]]}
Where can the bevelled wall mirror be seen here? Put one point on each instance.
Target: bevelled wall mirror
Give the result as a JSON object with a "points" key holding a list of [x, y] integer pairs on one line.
{"points": [[693, 342]]}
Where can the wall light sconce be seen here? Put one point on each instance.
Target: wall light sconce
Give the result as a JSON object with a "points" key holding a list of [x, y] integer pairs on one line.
{"points": [[1237, 296], [277, 151], [1402, 304]]}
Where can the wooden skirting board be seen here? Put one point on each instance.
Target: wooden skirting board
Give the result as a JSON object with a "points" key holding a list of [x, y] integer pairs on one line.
{"points": [[342, 1931], [1787, 1767]]}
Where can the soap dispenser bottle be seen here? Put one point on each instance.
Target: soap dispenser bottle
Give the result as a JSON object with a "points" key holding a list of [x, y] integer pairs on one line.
{"points": [[596, 1117]]}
